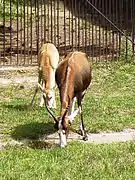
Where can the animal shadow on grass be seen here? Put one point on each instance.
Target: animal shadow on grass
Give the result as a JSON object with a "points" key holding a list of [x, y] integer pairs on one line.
{"points": [[34, 134]]}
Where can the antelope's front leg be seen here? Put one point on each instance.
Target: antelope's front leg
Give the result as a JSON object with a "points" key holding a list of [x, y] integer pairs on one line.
{"points": [[51, 99], [36, 90], [82, 128], [72, 113], [41, 96]]}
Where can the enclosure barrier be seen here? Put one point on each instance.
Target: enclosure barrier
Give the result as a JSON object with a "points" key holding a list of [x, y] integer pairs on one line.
{"points": [[70, 24]]}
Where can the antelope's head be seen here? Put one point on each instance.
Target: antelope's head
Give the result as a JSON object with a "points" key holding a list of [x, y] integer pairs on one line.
{"points": [[50, 98], [62, 123]]}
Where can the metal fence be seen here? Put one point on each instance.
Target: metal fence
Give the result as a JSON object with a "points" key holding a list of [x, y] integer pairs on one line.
{"points": [[92, 26]]}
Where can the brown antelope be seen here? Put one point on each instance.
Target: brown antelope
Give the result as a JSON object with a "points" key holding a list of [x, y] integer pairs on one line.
{"points": [[73, 76], [48, 59]]}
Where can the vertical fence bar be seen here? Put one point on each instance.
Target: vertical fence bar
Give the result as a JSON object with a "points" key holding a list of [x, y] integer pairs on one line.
{"points": [[64, 27], [45, 14], [103, 30], [54, 22], [92, 11], [126, 32], [82, 28], [133, 25], [72, 27], [27, 28], [110, 14], [37, 25], [41, 23], [24, 35], [58, 42], [10, 31], [85, 25], [118, 33], [133, 22], [51, 20], [4, 39], [113, 33], [120, 24], [96, 33], [31, 27], [48, 21], [75, 20], [78, 25], [17, 24], [21, 34], [69, 29], [106, 34], [89, 34], [99, 31]]}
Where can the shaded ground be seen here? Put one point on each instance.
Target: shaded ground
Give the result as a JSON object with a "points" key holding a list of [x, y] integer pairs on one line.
{"points": [[20, 39]]}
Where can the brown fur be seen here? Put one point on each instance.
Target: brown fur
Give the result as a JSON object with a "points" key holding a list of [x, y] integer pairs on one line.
{"points": [[73, 76]]}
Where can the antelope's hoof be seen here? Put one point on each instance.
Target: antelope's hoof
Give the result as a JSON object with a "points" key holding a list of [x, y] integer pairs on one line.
{"points": [[85, 138]]}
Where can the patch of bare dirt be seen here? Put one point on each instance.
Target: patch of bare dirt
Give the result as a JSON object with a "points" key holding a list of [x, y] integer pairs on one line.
{"points": [[52, 140], [27, 76]]}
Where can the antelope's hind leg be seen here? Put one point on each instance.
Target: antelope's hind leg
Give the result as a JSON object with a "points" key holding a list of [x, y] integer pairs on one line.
{"points": [[82, 128]]}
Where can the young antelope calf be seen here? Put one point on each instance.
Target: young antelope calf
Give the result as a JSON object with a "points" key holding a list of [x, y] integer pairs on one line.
{"points": [[48, 59]]}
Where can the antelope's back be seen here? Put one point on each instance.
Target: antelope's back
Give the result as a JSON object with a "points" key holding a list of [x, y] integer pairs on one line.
{"points": [[83, 71], [80, 71], [49, 53]]}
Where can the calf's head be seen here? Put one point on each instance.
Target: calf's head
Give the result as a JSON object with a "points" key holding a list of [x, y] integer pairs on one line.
{"points": [[50, 98]]}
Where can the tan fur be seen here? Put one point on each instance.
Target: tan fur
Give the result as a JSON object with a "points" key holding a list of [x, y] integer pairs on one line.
{"points": [[48, 59], [50, 51]]}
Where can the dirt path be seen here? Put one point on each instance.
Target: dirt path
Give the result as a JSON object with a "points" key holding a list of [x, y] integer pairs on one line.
{"points": [[52, 140], [18, 75]]}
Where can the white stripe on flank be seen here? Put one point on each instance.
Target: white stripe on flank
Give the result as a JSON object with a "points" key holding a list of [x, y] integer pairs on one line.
{"points": [[67, 79]]}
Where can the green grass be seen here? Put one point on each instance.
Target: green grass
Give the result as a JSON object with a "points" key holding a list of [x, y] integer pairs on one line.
{"points": [[77, 161], [10, 9], [109, 105]]}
